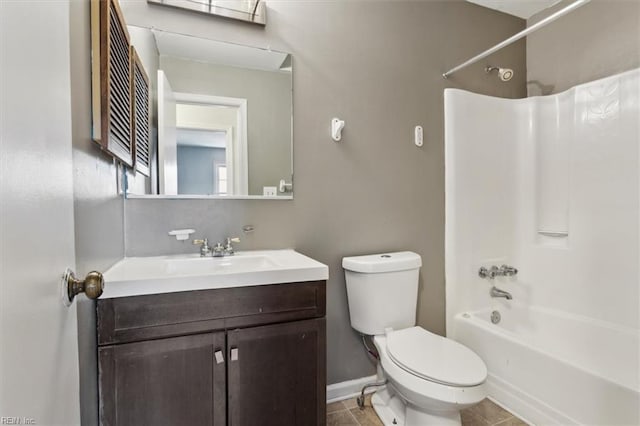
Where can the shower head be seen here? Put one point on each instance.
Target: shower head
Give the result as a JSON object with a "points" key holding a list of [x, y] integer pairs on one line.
{"points": [[505, 74]]}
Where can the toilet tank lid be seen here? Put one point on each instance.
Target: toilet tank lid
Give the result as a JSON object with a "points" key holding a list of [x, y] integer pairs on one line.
{"points": [[383, 262]]}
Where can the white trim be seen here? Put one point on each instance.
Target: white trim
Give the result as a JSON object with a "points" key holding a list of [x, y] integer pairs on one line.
{"points": [[216, 176], [167, 143], [231, 162], [239, 175], [349, 389]]}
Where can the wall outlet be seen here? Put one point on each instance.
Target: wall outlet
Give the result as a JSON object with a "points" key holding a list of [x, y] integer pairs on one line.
{"points": [[270, 191]]}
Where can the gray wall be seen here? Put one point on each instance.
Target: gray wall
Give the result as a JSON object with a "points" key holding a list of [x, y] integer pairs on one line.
{"points": [[195, 168], [597, 40], [98, 210], [378, 66], [268, 96]]}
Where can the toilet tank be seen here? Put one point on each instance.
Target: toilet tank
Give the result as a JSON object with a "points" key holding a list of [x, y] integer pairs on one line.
{"points": [[382, 290]]}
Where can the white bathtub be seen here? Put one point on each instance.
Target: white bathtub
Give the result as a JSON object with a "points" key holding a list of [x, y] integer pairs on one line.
{"points": [[551, 367]]}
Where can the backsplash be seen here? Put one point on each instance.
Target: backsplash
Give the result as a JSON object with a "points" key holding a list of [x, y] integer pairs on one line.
{"points": [[147, 223]]}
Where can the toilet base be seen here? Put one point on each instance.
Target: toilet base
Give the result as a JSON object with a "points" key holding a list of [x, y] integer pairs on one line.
{"points": [[393, 411]]}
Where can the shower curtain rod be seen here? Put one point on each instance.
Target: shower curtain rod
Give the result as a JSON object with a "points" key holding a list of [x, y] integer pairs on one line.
{"points": [[549, 19]]}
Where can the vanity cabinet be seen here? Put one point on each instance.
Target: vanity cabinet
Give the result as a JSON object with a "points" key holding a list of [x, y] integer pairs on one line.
{"points": [[234, 356]]}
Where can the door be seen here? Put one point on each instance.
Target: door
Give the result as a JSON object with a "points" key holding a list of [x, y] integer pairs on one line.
{"points": [[167, 137], [277, 374], [173, 381], [39, 376]]}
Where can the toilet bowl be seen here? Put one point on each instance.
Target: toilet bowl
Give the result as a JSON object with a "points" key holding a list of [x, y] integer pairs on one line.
{"points": [[430, 378]]}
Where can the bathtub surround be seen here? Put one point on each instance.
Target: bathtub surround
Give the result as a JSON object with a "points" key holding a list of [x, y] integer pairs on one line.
{"points": [[380, 69], [570, 334]]}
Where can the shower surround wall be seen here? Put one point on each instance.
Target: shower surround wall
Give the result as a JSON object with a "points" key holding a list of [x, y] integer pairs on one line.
{"points": [[566, 163]]}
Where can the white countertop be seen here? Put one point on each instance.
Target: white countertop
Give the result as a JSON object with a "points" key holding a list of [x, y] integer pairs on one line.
{"points": [[135, 276]]}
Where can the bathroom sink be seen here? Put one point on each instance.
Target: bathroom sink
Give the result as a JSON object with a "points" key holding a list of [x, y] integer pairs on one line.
{"points": [[242, 262], [135, 276]]}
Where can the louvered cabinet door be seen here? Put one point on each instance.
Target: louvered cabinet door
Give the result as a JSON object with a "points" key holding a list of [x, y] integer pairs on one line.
{"points": [[141, 114], [113, 128]]}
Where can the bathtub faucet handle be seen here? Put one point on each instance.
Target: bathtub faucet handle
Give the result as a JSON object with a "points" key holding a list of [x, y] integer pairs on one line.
{"points": [[508, 271], [490, 273]]}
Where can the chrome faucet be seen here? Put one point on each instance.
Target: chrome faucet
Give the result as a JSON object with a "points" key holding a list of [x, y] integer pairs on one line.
{"points": [[218, 250], [496, 292], [205, 250], [490, 273], [508, 271], [494, 271], [227, 249]]}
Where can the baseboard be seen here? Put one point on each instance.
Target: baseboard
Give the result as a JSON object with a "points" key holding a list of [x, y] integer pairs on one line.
{"points": [[349, 389]]}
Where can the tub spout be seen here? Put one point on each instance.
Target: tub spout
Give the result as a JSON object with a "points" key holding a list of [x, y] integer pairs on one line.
{"points": [[496, 292]]}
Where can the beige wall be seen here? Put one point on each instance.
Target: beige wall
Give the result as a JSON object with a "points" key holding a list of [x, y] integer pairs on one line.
{"points": [[599, 39], [378, 66]]}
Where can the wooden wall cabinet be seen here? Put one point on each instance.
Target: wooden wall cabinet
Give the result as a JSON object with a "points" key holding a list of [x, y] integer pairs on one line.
{"points": [[141, 115], [111, 80], [238, 356], [121, 110]]}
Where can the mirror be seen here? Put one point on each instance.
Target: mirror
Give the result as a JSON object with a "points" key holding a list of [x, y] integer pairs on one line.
{"points": [[223, 114], [252, 11]]}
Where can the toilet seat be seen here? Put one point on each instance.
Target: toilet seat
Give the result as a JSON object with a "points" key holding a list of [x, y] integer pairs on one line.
{"points": [[435, 358]]}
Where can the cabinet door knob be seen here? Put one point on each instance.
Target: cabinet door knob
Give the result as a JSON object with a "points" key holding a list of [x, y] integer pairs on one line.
{"points": [[234, 354], [219, 357]]}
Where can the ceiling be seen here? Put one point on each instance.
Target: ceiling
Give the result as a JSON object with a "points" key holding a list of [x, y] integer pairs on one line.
{"points": [[521, 8], [217, 52], [201, 138]]}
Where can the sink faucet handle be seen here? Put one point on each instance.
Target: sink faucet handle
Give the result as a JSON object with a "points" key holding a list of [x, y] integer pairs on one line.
{"points": [[228, 248], [205, 250]]}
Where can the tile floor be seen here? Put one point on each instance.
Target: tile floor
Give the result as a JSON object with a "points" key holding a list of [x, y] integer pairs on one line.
{"points": [[487, 413]]}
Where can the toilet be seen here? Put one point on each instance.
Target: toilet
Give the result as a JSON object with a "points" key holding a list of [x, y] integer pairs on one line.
{"points": [[429, 378]]}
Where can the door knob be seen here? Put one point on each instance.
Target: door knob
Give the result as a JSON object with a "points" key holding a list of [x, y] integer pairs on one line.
{"points": [[92, 286]]}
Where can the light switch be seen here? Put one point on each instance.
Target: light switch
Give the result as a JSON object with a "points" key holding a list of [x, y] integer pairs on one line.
{"points": [[418, 136]]}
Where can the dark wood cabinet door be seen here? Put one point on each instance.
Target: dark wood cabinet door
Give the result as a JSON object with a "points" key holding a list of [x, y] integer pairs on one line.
{"points": [[173, 381], [277, 374]]}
